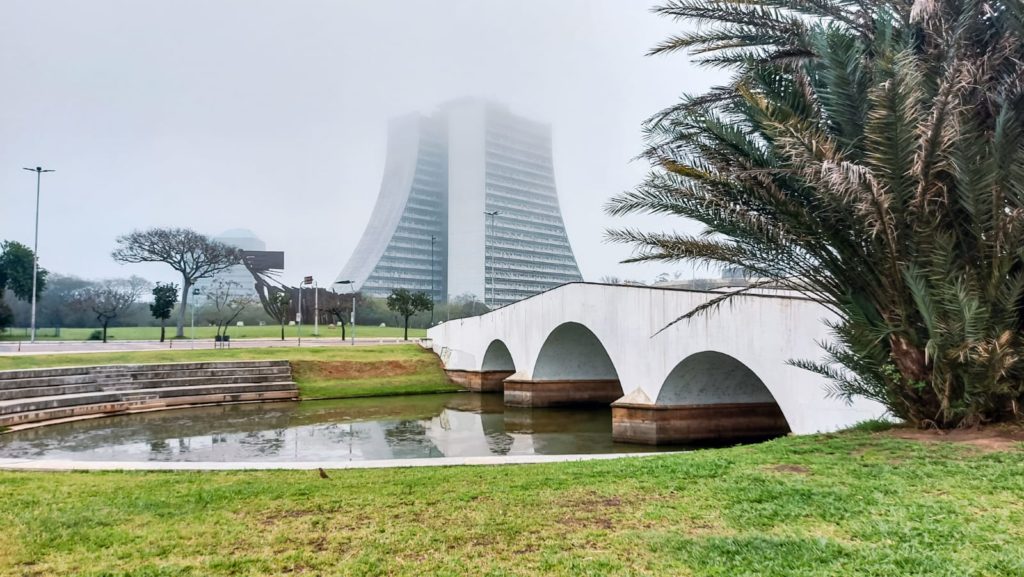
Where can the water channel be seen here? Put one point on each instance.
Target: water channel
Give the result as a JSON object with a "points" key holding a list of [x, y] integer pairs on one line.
{"points": [[421, 426]]}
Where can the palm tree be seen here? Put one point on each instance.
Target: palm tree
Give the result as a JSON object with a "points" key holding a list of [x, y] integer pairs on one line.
{"points": [[869, 153]]}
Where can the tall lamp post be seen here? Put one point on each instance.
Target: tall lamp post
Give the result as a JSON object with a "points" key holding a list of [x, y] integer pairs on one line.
{"points": [[432, 300], [316, 310], [35, 246], [492, 214], [353, 314]]}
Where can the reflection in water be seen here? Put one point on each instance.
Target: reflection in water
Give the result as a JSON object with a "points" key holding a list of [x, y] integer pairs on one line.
{"points": [[423, 426]]}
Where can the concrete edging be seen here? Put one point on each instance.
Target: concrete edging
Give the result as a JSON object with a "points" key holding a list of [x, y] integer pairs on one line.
{"points": [[69, 465]]}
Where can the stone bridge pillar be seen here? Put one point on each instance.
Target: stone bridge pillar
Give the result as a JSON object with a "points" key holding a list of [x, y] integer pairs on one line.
{"points": [[480, 381], [561, 393], [652, 424]]}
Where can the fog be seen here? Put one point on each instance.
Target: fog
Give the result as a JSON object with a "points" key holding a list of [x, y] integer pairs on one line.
{"points": [[272, 116]]}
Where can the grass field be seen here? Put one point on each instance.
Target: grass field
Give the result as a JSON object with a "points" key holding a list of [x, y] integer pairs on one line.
{"points": [[835, 505], [321, 372], [249, 332]]}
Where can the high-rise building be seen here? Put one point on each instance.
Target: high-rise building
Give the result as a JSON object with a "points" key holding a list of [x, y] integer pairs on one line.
{"points": [[467, 206]]}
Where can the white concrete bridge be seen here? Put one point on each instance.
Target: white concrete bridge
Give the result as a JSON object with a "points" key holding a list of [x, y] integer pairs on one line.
{"points": [[722, 375]]}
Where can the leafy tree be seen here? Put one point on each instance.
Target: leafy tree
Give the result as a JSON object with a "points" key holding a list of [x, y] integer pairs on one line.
{"points": [[193, 255], [16, 262], [165, 296], [406, 304], [870, 154], [57, 302], [111, 298]]}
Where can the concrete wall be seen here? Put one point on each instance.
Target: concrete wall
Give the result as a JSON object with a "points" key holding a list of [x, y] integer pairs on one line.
{"points": [[761, 332]]}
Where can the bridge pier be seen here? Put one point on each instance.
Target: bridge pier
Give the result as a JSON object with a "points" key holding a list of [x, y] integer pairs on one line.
{"points": [[480, 381], [652, 424], [561, 393]]}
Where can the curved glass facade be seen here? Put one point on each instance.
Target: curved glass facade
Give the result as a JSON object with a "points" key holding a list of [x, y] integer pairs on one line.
{"points": [[445, 176]]}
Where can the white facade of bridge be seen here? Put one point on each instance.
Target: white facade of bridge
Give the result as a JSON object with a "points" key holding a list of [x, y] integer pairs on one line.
{"points": [[762, 332]]}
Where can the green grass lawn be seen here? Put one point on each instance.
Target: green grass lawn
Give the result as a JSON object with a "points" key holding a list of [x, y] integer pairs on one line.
{"points": [[321, 372], [834, 505], [249, 332]]}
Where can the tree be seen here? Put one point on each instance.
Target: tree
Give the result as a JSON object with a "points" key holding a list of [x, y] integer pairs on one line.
{"points": [[228, 302], [280, 300], [57, 302], [339, 307], [110, 298], [870, 154], [193, 255], [406, 304], [16, 263], [165, 296]]}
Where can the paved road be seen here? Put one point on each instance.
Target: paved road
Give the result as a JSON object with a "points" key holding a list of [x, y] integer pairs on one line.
{"points": [[58, 347]]}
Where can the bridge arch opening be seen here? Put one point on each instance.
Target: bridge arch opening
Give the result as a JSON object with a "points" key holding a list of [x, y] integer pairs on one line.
{"points": [[708, 397], [572, 368], [498, 358], [572, 351]]}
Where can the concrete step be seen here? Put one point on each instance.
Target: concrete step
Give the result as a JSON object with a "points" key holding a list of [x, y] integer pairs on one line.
{"points": [[11, 408], [86, 370], [106, 377], [53, 391], [27, 418]]}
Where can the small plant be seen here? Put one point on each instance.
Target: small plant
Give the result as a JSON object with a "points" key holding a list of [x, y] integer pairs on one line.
{"points": [[96, 335]]}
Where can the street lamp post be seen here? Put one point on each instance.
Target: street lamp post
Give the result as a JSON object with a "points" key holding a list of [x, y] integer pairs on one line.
{"points": [[352, 320], [35, 247], [491, 214], [432, 300], [316, 310], [195, 297], [298, 329]]}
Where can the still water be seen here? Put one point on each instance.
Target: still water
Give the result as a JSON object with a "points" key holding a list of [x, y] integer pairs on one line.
{"points": [[422, 426]]}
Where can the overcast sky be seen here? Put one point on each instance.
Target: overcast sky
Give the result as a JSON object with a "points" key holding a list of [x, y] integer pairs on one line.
{"points": [[272, 115]]}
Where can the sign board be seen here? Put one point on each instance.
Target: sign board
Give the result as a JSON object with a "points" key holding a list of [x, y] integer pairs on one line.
{"points": [[307, 280], [298, 317]]}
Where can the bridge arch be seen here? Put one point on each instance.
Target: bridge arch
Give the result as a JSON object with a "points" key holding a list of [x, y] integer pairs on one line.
{"points": [[711, 377], [708, 396], [497, 357], [572, 351], [572, 368]]}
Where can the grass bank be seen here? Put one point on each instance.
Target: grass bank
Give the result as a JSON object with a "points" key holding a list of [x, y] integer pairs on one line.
{"points": [[835, 505], [321, 372], [249, 332]]}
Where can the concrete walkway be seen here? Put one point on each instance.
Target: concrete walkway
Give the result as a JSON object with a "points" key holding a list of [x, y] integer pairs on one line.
{"points": [[60, 347], [68, 465]]}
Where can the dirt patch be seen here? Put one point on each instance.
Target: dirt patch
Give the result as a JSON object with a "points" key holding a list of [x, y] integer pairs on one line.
{"points": [[798, 469], [354, 369], [986, 439]]}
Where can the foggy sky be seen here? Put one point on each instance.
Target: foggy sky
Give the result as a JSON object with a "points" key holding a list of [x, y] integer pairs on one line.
{"points": [[272, 115]]}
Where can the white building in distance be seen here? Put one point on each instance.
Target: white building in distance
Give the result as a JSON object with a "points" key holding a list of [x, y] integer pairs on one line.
{"points": [[467, 206]]}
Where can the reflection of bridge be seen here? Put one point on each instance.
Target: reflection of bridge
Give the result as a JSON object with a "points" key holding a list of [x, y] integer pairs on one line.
{"points": [[720, 375]]}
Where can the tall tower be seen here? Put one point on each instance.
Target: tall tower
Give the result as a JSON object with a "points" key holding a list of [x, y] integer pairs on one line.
{"points": [[445, 177]]}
